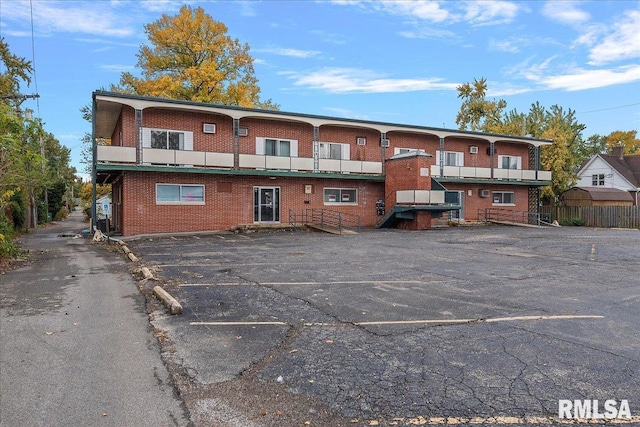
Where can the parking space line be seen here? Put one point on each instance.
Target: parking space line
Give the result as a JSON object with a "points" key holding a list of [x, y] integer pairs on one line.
{"points": [[340, 282], [409, 322]]}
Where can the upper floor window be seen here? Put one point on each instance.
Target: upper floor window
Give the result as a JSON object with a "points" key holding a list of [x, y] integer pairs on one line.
{"points": [[597, 179], [166, 139], [332, 150], [510, 162], [276, 147], [450, 158]]}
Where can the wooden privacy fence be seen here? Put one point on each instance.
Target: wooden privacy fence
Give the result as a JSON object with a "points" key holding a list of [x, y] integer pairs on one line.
{"points": [[595, 216]]}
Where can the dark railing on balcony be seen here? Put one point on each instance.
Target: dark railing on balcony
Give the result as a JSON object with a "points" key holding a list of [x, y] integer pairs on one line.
{"points": [[324, 218]]}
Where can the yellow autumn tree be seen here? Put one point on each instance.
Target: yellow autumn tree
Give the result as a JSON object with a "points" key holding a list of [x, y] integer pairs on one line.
{"points": [[191, 57], [627, 139]]}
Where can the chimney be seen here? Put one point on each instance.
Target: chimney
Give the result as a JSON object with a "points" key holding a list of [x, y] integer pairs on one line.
{"points": [[618, 150]]}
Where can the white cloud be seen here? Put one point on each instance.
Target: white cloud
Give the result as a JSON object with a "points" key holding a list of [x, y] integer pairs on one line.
{"points": [[581, 79], [490, 12], [70, 17], [422, 10], [117, 68], [508, 46], [350, 80], [623, 41], [565, 12], [294, 53]]}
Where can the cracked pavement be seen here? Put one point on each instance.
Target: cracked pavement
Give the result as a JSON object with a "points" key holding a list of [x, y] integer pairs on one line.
{"points": [[397, 327]]}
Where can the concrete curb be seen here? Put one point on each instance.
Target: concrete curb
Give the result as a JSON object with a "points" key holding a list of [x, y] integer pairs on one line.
{"points": [[170, 302]]}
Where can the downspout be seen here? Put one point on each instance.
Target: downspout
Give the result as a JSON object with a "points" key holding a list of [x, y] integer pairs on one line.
{"points": [[441, 157], [316, 149], [94, 164]]}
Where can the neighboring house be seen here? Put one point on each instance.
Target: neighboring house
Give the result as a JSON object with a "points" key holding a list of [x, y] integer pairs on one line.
{"points": [[181, 166], [612, 171], [596, 196]]}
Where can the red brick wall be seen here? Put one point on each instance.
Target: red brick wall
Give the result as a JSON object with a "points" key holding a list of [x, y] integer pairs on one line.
{"points": [[474, 202], [223, 210]]}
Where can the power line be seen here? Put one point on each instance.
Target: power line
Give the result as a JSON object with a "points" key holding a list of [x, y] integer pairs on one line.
{"points": [[33, 59], [610, 108]]}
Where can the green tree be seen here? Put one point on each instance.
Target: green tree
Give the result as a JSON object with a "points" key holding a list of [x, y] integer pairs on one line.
{"points": [[476, 112], [191, 57]]}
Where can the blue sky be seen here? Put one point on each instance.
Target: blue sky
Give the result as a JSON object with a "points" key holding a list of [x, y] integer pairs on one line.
{"points": [[396, 61]]}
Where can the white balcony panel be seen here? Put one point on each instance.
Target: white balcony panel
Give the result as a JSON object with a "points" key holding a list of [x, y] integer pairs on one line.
{"points": [[111, 153], [329, 165], [483, 173], [276, 162], [436, 197], [156, 155], [435, 170], [301, 163], [195, 158], [224, 160], [405, 196], [501, 173], [544, 175], [372, 167], [422, 197], [252, 161], [451, 171], [467, 172], [353, 166], [529, 175]]}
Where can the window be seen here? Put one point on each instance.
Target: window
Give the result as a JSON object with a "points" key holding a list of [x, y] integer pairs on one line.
{"points": [[277, 147], [510, 162], [179, 193], [597, 179], [341, 195], [165, 139], [451, 158], [335, 151], [503, 198]]}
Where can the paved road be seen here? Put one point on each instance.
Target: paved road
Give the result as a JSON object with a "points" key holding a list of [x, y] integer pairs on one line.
{"points": [[402, 328], [76, 348]]}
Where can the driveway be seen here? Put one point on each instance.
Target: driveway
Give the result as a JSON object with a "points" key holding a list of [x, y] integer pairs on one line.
{"points": [[76, 348], [483, 325]]}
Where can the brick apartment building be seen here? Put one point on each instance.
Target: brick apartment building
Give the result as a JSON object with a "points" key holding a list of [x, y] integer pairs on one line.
{"points": [[181, 166]]}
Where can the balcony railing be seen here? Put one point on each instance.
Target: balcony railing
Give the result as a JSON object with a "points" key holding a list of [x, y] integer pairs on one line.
{"points": [[420, 197], [485, 173]]}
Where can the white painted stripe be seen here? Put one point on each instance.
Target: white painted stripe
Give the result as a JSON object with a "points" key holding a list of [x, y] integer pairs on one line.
{"points": [[342, 282], [408, 322], [238, 323], [498, 420]]}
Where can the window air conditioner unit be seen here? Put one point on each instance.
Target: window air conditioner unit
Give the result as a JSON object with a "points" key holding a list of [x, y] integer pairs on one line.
{"points": [[384, 142], [362, 140], [243, 131], [473, 149], [209, 127], [484, 193]]}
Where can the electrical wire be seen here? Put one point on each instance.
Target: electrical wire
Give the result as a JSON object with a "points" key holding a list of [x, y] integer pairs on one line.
{"points": [[610, 108], [33, 59]]}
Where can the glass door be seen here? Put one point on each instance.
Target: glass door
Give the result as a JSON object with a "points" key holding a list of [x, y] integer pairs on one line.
{"points": [[266, 204]]}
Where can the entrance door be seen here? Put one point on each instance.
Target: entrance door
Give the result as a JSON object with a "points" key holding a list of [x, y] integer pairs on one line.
{"points": [[266, 204], [450, 197]]}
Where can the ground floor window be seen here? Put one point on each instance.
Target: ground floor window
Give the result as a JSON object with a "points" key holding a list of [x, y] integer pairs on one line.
{"points": [[179, 193], [504, 198], [341, 195]]}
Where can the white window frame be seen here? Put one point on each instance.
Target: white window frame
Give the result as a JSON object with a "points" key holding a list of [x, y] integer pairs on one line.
{"points": [[597, 180], [261, 143], [459, 158], [325, 150], [340, 195], [187, 141], [183, 198], [517, 163], [501, 201]]}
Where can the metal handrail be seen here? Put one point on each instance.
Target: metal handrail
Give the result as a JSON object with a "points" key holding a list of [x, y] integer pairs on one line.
{"points": [[512, 215], [325, 217]]}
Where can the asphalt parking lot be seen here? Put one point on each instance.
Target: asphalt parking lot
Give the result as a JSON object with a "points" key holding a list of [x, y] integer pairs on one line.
{"points": [[465, 325]]}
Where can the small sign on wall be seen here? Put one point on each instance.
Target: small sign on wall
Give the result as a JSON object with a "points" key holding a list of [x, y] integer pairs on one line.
{"points": [[424, 171], [308, 189]]}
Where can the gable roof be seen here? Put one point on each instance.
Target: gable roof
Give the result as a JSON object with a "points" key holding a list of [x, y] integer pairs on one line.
{"points": [[628, 166]]}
